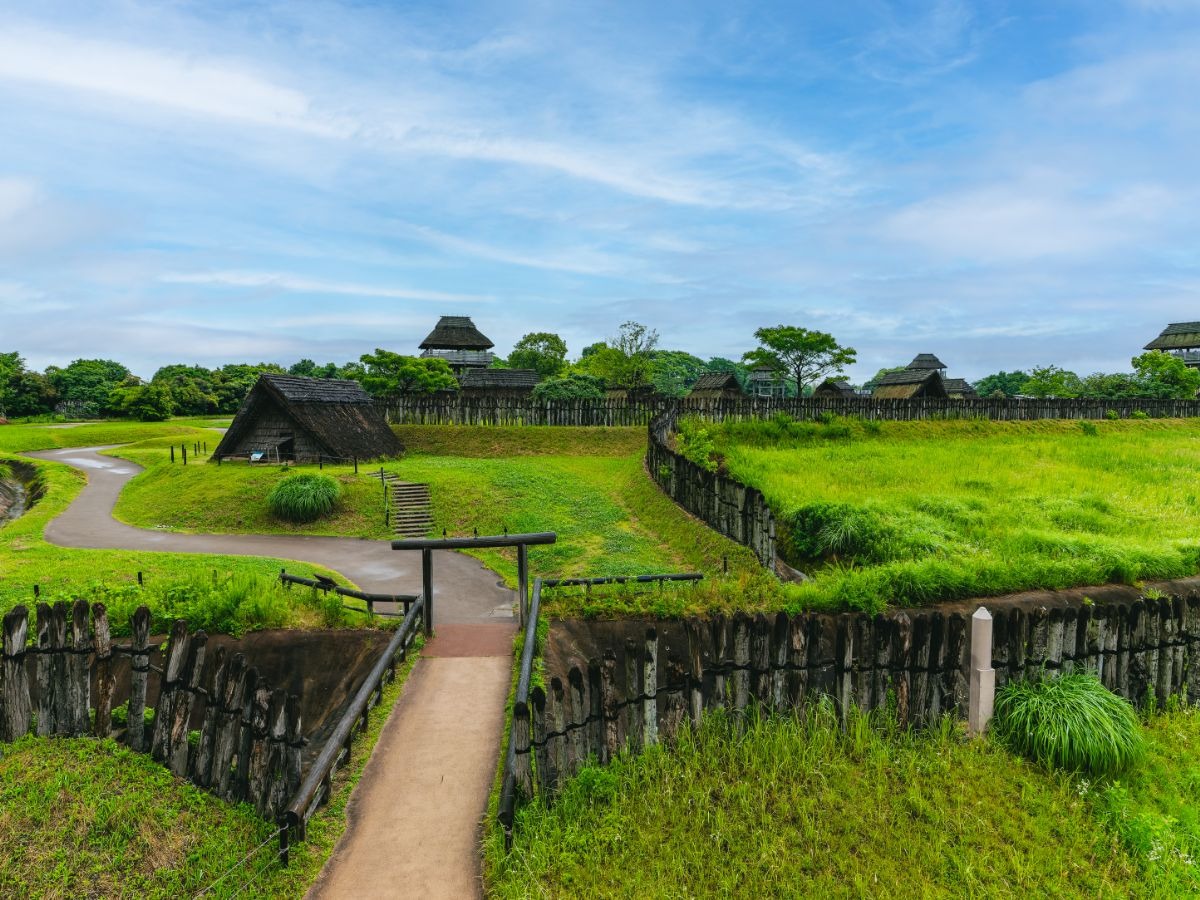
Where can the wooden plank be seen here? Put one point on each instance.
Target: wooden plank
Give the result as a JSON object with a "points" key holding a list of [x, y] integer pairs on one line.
{"points": [[173, 669], [185, 700], [78, 694], [16, 705], [105, 684], [202, 771], [139, 665], [229, 726]]}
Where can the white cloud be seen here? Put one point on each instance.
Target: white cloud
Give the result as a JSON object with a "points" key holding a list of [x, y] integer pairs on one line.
{"points": [[283, 281]]}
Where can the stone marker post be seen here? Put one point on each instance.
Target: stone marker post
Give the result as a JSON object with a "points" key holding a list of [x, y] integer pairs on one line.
{"points": [[983, 676]]}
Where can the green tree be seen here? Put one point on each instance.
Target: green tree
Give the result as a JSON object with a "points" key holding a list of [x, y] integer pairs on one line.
{"points": [[87, 383], [23, 392], [192, 390], [542, 351], [1052, 381], [801, 354], [150, 402], [232, 382], [388, 374], [1007, 383], [673, 372], [1110, 386], [570, 387], [624, 360], [721, 364], [1165, 375]]}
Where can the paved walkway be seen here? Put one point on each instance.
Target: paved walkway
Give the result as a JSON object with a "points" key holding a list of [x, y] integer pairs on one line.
{"points": [[415, 814], [463, 589]]}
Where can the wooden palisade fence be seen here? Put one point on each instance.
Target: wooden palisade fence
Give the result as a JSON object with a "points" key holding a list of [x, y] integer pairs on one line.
{"points": [[250, 742], [441, 409], [736, 510], [642, 690]]}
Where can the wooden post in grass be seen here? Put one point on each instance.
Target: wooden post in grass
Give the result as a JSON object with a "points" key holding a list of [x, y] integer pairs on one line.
{"points": [[15, 704], [102, 727], [139, 666], [983, 676]]}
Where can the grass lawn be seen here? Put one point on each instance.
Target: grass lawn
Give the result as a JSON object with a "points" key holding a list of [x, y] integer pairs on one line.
{"points": [[804, 809], [81, 817], [588, 485], [909, 513], [219, 593]]}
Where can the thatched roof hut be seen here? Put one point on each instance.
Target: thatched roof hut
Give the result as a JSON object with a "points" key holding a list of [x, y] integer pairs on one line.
{"points": [[491, 382], [910, 384], [1180, 338], [717, 386], [831, 388], [924, 362], [456, 340], [959, 389], [285, 417]]}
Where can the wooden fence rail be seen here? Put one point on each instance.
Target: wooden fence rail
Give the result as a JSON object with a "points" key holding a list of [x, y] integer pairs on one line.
{"points": [[641, 687], [247, 748], [461, 410]]}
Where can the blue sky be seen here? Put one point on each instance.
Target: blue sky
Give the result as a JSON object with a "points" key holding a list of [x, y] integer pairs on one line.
{"points": [[1003, 184]]}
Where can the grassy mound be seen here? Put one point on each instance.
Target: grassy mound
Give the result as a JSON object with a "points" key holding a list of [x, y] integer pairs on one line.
{"points": [[911, 513], [1072, 722], [304, 498]]}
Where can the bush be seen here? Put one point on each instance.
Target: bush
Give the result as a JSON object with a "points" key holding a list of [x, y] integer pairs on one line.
{"points": [[304, 498], [1072, 723]]}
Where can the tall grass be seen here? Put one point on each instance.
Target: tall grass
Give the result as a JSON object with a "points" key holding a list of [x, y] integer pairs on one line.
{"points": [[304, 498], [804, 807], [908, 513], [1072, 722]]}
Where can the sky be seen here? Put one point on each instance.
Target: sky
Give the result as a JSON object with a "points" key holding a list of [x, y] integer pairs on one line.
{"points": [[1004, 184]]}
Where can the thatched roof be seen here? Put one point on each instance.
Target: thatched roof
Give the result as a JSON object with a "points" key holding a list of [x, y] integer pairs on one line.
{"points": [[909, 383], [1178, 336], [959, 387], [456, 333], [712, 384], [831, 388], [339, 415], [926, 361], [499, 379]]}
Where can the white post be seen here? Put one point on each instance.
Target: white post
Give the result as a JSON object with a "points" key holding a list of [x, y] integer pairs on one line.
{"points": [[983, 676]]}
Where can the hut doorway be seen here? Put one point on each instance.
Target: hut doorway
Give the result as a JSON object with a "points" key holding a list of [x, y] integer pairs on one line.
{"points": [[286, 449]]}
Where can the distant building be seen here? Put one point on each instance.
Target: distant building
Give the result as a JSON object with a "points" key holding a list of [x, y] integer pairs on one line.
{"points": [[831, 388], [456, 340], [288, 418], [959, 389], [497, 382], [763, 381], [911, 384], [927, 362], [717, 386], [1180, 339]]}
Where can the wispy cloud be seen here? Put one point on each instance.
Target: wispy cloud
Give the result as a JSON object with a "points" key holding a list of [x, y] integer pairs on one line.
{"points": [[282, 281]]}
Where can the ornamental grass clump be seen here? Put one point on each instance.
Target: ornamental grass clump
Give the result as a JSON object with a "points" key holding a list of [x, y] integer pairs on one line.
{"points": [[1072, 723], [304, 498]]}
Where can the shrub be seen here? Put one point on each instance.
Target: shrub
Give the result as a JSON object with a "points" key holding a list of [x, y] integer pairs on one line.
{"points": [[1139, 414], [1089, 428], [304, 498], [1072, 723], [1112, 414]]}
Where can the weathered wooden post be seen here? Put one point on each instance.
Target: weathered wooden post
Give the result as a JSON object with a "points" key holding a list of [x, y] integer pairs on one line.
{"points": [[15, 705], [650, 689], [102, 727], [522, 581], [983, 676], [139, 667], [427, 590]]}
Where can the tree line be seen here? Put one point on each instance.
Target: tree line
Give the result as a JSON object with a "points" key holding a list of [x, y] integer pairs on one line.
{"points": [[631, 360]]}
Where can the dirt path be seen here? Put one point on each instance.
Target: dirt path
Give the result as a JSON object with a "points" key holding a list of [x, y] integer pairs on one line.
{"points": [[464, 591], [414, 817]]}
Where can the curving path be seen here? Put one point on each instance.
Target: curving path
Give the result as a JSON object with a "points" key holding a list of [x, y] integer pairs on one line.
{"points": [[413, 819], [464, 590]]}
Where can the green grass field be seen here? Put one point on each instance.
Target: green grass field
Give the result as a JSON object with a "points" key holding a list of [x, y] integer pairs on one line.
{"points": [[805, 809], [220, 593], [909, 513]]}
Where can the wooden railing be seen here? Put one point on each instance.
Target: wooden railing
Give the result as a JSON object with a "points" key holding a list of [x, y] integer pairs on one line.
{"points": [[328, 584], [518, 774], [315, 788]]}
